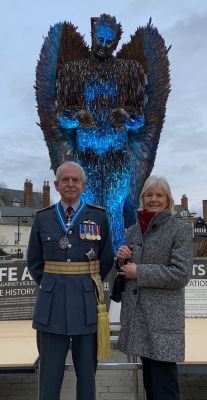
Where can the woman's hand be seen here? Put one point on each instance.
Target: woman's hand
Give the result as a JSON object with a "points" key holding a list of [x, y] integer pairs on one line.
{"points": [[129, 270], [124, 253]]}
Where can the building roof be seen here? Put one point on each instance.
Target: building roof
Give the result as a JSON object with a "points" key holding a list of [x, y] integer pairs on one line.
{"points": [[15, 215], [200, 227], [181, 212], [199, 221], [8, 196]]}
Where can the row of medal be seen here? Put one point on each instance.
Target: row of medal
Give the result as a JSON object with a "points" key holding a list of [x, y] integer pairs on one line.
{"points": [[89, 230]]}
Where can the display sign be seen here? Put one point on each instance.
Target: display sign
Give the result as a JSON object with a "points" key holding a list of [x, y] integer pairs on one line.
{"points": [[196, 290], [18, 291], [195, 293]]}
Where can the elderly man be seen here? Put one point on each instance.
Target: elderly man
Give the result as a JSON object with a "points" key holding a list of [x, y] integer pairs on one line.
{"points": [[69, 242]]}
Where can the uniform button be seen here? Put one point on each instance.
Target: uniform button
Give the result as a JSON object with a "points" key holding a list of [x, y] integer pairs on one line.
{"points": [[40, 287], [135, 291], [70, 245], [70, 232], [68, 260]]}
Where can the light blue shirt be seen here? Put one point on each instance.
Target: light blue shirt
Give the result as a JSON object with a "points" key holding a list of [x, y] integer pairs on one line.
{"points": [[74, 205]]}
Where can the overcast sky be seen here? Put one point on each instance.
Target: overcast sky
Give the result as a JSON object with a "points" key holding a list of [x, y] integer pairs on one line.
{"points": [[182, 151]]}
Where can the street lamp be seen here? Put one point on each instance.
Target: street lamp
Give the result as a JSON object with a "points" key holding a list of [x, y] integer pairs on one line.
{"points": [[18, 237]]}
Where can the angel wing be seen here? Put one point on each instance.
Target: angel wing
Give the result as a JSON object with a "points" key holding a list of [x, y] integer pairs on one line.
{"points": [[62, 44], [148, 48]]}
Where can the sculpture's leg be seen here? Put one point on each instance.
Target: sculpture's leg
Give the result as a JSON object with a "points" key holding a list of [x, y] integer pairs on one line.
{"points": [[92, 166], [108, 179], [115, 190], [130, 208]]}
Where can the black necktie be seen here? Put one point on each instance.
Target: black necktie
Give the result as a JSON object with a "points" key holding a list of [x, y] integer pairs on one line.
{"points": [[69, 212]]}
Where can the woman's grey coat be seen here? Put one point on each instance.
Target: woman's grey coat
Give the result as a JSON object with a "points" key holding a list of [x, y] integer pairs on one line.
{"points": [[153, 310]]}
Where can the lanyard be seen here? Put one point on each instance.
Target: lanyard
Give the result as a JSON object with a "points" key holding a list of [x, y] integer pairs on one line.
{"points": [[66, 226]]}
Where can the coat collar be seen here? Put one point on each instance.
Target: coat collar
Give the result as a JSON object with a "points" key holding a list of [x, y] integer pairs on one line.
{"points": [[159, 219]]}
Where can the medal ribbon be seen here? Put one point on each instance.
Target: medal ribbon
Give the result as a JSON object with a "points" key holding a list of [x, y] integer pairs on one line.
{"points": [[73, 219]]}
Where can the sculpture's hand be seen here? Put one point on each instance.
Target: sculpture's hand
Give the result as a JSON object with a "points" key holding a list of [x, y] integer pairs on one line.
{"points": [[134, 123], [118, 117], [68, 123], [82, 118], [85, 119]]}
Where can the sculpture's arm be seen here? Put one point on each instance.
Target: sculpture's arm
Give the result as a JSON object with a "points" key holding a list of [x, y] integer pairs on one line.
{"points": [[67, 122], [71, 113], [121, 120], [81, 118]]}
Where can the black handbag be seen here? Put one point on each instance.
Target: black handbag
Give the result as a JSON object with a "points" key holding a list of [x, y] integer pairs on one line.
{"points": [[118, 288]]}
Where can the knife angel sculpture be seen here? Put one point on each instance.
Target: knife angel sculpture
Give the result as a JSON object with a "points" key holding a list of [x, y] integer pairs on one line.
{"points": [[106, 112]]}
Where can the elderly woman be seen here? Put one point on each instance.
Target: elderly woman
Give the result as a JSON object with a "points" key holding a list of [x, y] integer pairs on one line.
{"points": [[159, 250]]}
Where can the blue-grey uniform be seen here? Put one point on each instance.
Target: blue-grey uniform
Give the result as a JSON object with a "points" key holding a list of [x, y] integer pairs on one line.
{"points": [[66, 304]]}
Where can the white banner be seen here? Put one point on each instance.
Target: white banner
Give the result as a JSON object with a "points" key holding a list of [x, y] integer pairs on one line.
{"points": [[196, 290]]}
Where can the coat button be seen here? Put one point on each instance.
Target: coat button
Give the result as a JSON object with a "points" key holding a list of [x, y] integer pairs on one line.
{"points": [[135, 291], [70, 232], [69, 245]]}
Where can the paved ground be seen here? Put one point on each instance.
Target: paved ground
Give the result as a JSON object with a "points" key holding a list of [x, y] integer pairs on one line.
{"points": [[110, 384]]}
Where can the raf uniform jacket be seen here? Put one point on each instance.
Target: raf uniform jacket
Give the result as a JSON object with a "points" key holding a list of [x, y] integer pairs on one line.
{"points": [[67, 304]]}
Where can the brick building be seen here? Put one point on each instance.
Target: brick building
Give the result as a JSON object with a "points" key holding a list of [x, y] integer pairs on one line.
{"points": [[26, 197], [17, 211], [199, 225]]}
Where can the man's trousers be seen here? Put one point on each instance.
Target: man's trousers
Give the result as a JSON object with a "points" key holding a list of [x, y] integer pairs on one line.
{"points": [[53, 350]]}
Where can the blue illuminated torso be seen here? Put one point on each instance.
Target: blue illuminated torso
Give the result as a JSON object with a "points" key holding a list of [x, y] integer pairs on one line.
{"points": [[103, 151], [100, 140], [100, 97]]}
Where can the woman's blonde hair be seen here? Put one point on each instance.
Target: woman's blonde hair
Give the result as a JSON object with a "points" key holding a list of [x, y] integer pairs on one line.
{"points": [[161, 182]]}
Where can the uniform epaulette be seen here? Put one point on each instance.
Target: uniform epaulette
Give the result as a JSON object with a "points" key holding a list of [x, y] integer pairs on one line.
{"points": [[46, 208], [96, 206]]}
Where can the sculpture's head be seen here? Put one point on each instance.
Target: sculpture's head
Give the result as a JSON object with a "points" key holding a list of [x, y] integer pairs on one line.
{"points": [[106, 33]]}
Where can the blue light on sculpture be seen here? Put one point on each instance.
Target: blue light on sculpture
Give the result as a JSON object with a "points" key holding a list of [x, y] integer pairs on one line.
{"points": [[105, 112], [134, 123], [100, 140], [99, 149], [105, 34], [106, 187], [68, 123]]}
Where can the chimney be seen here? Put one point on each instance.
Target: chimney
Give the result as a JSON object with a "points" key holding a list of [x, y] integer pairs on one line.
{"points": [[28, 193], [184, 202], [205, 210], [46, 194]]}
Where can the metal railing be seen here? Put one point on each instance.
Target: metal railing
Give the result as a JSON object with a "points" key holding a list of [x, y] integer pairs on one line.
{"points": [[131, 364]]}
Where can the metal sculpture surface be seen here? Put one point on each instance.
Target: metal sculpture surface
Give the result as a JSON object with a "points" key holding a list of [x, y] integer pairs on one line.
{"points": [[105, 112]]}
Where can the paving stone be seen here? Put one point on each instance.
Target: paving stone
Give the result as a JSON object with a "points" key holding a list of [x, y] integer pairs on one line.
{"points": [[110, 385]]}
